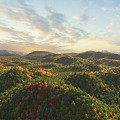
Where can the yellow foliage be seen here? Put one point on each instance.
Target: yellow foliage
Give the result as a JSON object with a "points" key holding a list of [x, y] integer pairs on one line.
{"points": [[20, 68]]}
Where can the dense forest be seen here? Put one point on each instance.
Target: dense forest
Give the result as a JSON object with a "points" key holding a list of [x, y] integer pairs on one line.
{"points": [[71, 86]]}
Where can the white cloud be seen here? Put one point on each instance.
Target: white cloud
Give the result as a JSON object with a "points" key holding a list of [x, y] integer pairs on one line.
{"points": [[116, 9], [51, 32], [108, 9], [81, 18]]}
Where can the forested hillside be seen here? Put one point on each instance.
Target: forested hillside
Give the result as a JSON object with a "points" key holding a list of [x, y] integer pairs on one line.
{"points": [[48, 86]]}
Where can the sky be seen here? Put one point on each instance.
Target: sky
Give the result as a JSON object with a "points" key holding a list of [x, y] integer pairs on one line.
{"points": [[60, 26]]}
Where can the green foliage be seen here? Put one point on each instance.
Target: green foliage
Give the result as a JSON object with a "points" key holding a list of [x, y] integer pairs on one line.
{"points": [[48, 86], [11, 78], [94, 86], [51, 100]]}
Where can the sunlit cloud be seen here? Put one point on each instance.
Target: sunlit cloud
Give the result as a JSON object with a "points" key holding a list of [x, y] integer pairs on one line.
{"points": [[82, 18], [22, 25]]}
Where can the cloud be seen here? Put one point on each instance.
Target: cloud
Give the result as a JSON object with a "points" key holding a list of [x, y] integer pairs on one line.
{"points": [[114, 9], [52, 32], [29, 47], [23, 3], [103, 9], [82, 18], [57, 17], [116, 40], [13, 14], [47, 36], [95, 43], [109, 27], [39, 23], [28, 16], [55, 22], [118, 16], [17, 35]]}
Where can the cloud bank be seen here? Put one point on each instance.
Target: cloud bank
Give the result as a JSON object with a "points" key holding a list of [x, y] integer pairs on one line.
{"points": [[23, 28]]}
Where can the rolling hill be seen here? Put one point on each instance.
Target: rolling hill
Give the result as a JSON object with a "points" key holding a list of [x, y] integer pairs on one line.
{"points": [[47, 86], [99, 55]]}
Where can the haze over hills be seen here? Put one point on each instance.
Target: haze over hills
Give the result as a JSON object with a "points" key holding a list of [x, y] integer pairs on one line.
{"points": [[107, 51], [7, 52], [35, 53]]}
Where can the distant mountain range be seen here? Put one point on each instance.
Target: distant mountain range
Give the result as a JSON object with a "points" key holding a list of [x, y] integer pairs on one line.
{"points": [[9, 52], [99, 57], [49, 55], [107, 51]]}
